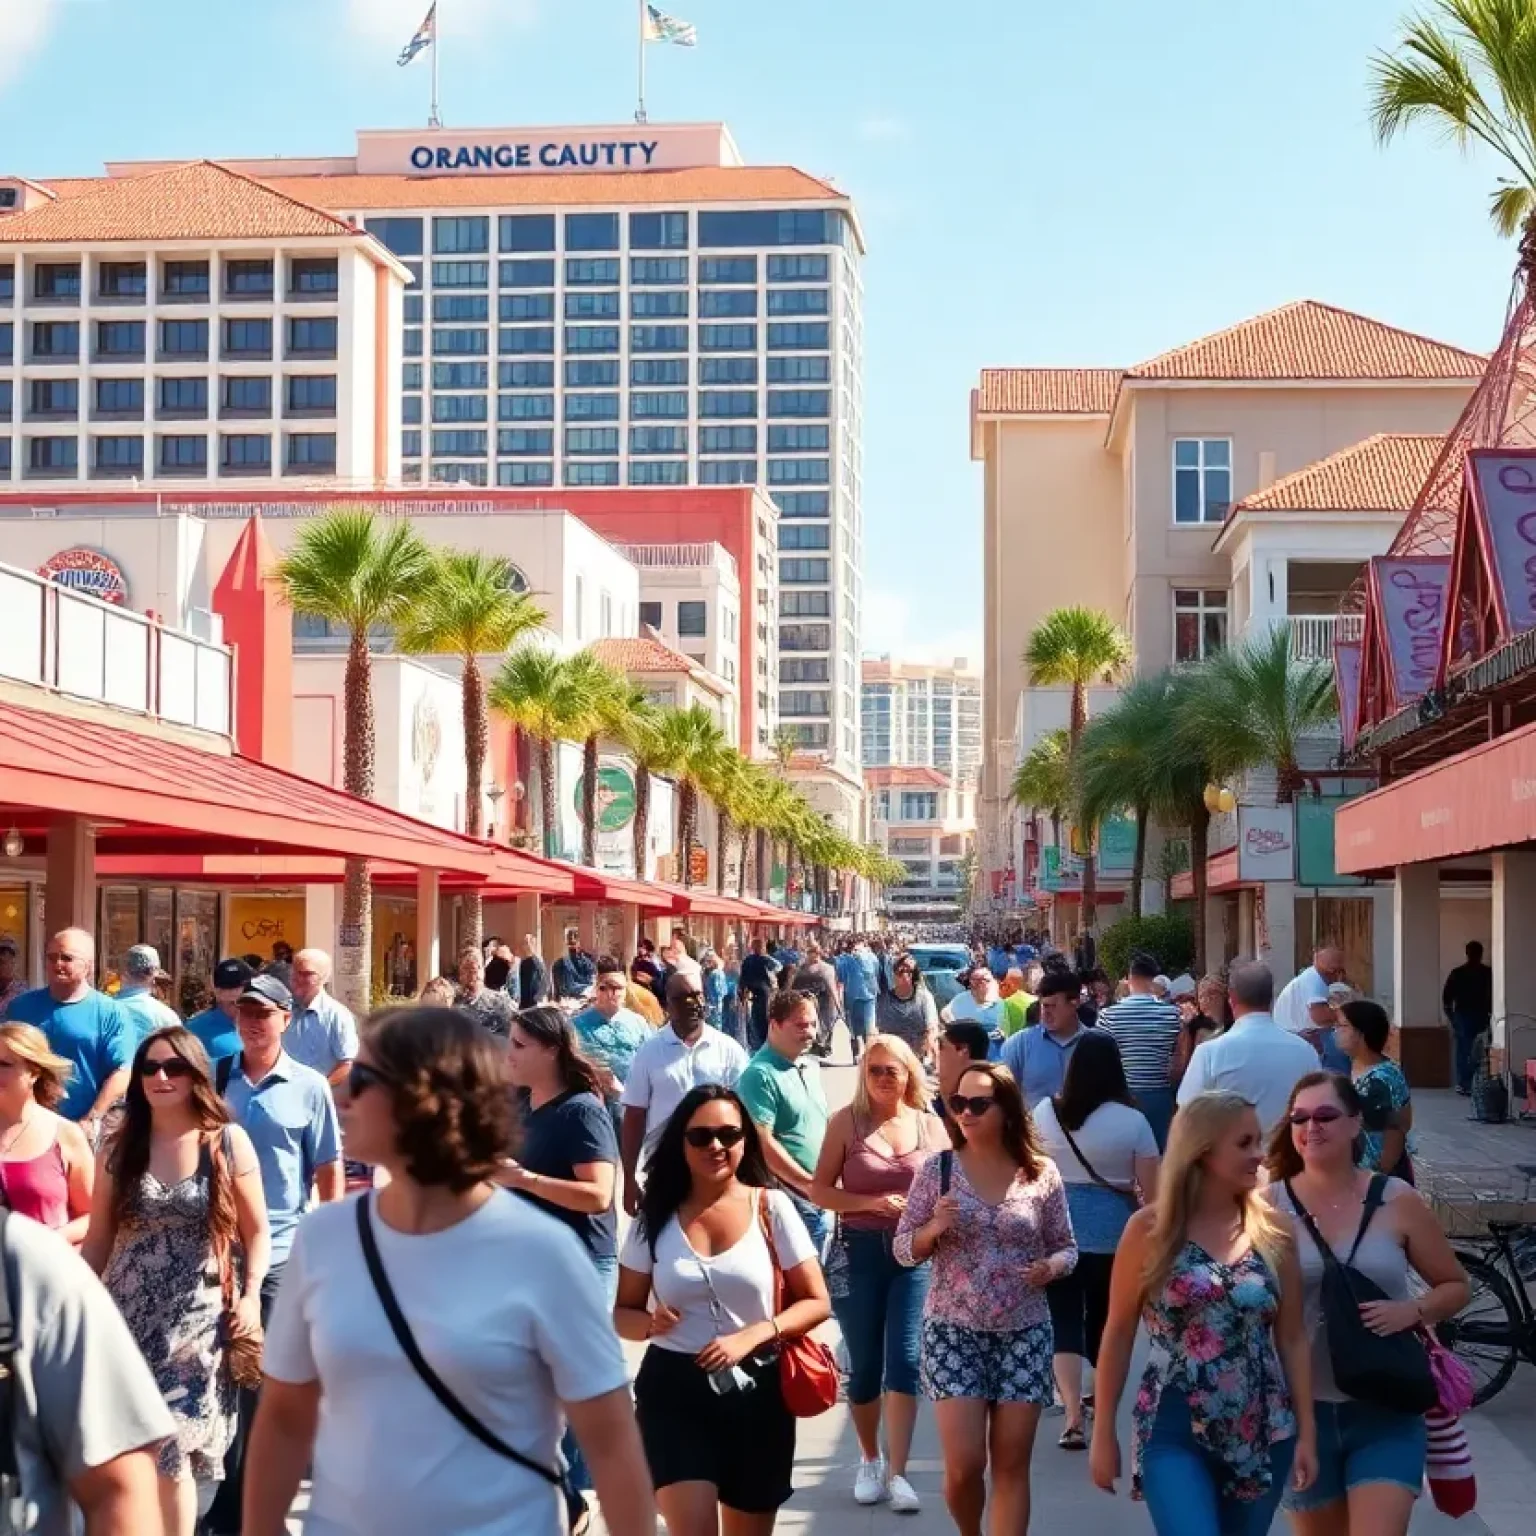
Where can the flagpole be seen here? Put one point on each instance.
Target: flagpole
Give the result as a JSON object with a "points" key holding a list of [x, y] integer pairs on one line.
{"points": [[640, 108], [436, 119]]}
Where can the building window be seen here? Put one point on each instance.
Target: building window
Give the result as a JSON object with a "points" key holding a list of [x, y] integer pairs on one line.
{"points": [[644, 405], [919, 805], [655, 371], [805, 637], [798, 336], [527, 274], [599, 305], [692, 619], [728, 439], [650, 613], [317, 337], [799, 439], [658, 271], [727, 370], [410, 343], [809, 268], [311, 452], [525, 474], [798, 471], [52, 455], [182, 397], [184, 338], [247, 338], [805, 701], [813, 670], [727, 471], [1199, 622], [658, 306], [728, 269], [314, 276], [727, 338], [526, 232], [591, 338], [811, 735], [658, 472], [7, 341], [535, 340], [803, 503], [526, 442], [577, 472], [658, 440], [184, 280], [460, 445], [1202, 479], [122, 280], [460, 408], [799, 370], [410, 445], [461, 308], [525, 408], [402, 236], [184, 455], [658, 231], [413, 309], [56, 280], [592, 232], [7, 282], [474, 343], [800, 402], [591, 407], [728, 304], [797, 301], [118, 456], [56, 340], [410, 410], [813, 605], [788, 226], [120, 397], [525, 306], [245, 453], [658, 338], [313, 394], [461, 274], [461, 236], [806, 536], [803, 572], [459, 376], [248, 279], [54, 397], [728, 402], [460, 474], [526, 375], [592, 440]]}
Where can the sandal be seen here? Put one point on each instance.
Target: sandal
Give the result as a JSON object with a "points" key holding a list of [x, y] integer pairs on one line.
{"points": [[1073, 1439]]}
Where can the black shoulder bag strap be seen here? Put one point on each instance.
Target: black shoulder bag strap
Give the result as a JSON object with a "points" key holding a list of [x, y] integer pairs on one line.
{"points": [[434, 1383], [946, 1168], [10, 1465], [1374, 1195], [1092, 1172], [222, 1072]]}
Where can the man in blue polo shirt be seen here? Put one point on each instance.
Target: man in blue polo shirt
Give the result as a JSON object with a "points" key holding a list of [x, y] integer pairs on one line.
{"points": [[324, 1034], [858, 973], [1038, 1056], [215, 1026], [287, 1110]]}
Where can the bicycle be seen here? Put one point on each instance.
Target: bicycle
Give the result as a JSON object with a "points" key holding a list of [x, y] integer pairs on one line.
{"points": [[1490, 1218]]}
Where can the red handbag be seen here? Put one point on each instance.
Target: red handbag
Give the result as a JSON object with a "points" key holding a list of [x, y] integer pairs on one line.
{"points": [[808, 1374]]}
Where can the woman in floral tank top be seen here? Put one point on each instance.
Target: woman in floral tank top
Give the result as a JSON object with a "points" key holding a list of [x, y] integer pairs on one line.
{"points": [[1223, 1417]]}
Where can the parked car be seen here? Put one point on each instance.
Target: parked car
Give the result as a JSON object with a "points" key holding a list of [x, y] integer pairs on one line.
{"points": [[941, 965]]}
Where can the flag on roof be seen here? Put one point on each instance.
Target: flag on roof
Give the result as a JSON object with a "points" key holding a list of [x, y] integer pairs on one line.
{"points": [[661, 28], [426, 35]]}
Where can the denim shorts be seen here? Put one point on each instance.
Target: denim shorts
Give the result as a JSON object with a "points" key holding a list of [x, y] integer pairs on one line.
{"points": [[1358, 1444]]}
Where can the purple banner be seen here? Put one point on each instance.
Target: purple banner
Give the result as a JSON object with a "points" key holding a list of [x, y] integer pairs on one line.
{"points": [[1506, 485], [1411, 594], [1346, 680]]}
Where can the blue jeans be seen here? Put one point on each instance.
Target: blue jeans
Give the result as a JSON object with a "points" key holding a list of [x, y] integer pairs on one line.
{"points": [[581, 1476], [817, 1222], [881, 1317], [1467, 1027], [859, 1013], [1157, 1105], [1181, 1481]]}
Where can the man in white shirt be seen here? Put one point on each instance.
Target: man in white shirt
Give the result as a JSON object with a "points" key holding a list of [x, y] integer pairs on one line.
{"points": [[683, 1053], [1256, 1057], [1303, 1001]]}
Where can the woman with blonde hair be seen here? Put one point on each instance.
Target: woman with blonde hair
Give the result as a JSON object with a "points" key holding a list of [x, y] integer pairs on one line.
{"points": [[46, 1167], [872, 1151], [1211, 1269], [439, 992]]}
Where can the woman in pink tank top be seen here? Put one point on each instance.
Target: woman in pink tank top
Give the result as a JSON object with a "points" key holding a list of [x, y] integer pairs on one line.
{"points": [[872, 1151], [46, 1168]]}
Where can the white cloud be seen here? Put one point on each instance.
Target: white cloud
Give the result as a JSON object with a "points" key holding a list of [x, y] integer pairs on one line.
{"points": [[883, 128], [24, 26], [396, 20], [890, 627]]}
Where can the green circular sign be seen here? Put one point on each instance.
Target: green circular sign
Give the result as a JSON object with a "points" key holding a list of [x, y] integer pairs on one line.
{"points": [[615, 797]]}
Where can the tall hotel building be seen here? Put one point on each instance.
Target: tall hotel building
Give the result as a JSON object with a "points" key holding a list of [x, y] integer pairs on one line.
{"points": [[524, 308]]}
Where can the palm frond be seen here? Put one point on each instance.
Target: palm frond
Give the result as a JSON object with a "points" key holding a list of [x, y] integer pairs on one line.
{"points": [[468, 608], [1043, 779], [1075, 647], [355, 569]]}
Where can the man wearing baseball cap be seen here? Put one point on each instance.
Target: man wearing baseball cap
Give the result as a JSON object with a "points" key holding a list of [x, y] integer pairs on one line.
{"points": [[11, 983], [215, 1026], [142, 1011]]}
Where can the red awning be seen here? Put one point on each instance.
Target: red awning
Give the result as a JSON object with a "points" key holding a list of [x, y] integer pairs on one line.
{"points": [[707, 903], [1477, 801]]}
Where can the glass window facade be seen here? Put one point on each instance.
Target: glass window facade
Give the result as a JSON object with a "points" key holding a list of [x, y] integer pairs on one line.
{"points": [[183, 454], [658, 439], [312, 451], [538, 340], [528, 442], [798, 336], [727, 439], [246, 338], [810, 267], [525, 306], [600, 441], [248, 279], [119, 455], [803, 503], [798, 472], [799, 439], [120, 397], [245, 396], [184, 338], [727, 338], [658, 370], [599, 305], [779, 226], [184, 280], [460, 444], [461, 274], [647, 403], [591, 407], [727, 471], [728, 269], [120, 338], [728, 402], [526, 232], [575, 472], [461, 308], [182, 397], [459, 407], [246, 452], [525, 407], [526, 375], [658, 338], [460, 375], [527, 274], [312, 336], [592, 373], [658, 472], [658, 231], [461, 235], [727, 370], [658, 271], [402, 236], [814, 572], [1199, 622], [525, 474], [728, 303], [799, 370], [800, 402], [658, 306], [312, 392], [798, 301]]}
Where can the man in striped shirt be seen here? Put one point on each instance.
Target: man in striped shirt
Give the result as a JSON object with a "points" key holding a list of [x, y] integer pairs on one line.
{"points": [[1147, 1031]]}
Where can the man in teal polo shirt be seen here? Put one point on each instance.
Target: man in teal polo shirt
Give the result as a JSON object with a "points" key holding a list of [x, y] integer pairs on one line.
{"points": [[782, 1090]]}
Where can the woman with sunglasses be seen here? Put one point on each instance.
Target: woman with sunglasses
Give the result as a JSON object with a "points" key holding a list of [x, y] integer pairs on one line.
{"points": [[1370, 1459], [907, 1009], [178, 1190], [872, 1152], [500, 1299], [696, 1281], [992, 1215], [46, 1167]]}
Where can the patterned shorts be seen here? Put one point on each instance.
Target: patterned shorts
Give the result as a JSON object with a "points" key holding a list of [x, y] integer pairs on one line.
{"points": [[1011, 1366]]}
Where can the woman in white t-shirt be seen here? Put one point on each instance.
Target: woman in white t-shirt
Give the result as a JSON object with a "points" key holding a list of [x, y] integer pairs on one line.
{"points": [[502, 1301], [717, 1433], [1106, 1153]]}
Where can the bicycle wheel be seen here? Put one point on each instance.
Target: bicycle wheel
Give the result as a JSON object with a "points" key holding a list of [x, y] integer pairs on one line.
{"points": [[1488, 1333]]}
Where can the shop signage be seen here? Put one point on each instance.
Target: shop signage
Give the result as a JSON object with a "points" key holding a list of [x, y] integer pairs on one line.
{"points": [[550, 155], [1266, 843], [1505, 486], [1411, 593], [615, 797], [698, 865], [1314, 844], [88, 571], [1346, 677]]}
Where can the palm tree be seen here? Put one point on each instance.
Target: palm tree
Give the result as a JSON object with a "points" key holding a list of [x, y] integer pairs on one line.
{"points": [[691, 740], [537, 691], [1075, 648], [361, 573], [1255, 700], [1470, 71], [784, 745], [726, 782], [751, 812], [468, 609], [1114, 769], [606, 692], [639, 729], [1043, 780]]}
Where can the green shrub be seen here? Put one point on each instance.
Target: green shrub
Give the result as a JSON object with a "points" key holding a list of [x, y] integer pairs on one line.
{"points": [[1167, 936]]}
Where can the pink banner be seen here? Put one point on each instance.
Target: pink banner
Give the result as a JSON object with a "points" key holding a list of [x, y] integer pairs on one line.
{"points": [[1411, 596], [1346, 680], [1506, 498]]}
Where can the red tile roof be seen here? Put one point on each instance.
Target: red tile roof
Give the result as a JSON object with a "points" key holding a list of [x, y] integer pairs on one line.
{"points": [[1382, 474], [1309, 340], [1047, 391], [198, 201], [644, 653], [928, 778]]}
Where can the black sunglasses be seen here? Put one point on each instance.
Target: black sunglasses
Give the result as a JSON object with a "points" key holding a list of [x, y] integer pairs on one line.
{"points": [[172, 1066], [978, 1104], [701, 1136], [361, 1077], [1324, 1114]]}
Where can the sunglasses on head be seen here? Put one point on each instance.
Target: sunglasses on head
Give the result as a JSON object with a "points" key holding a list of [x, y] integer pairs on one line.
{"points": [[977, 1104], [172, 1067], [361, 1077], [1325, 1114], [701, 1136]]}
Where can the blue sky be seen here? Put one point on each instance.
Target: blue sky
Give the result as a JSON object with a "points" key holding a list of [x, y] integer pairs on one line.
{"points": [[1083, 184]]}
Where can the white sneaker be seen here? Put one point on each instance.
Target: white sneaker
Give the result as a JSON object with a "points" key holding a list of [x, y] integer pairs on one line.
{"points": [[869, 1485], [903, 1495]]}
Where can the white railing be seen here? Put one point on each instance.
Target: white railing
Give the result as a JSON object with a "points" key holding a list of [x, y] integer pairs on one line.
{"points": [[74, 644], [678, 557], [1313, 634]]}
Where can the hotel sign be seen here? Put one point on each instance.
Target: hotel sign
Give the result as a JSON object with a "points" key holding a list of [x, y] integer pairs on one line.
{"points": [[551, 155], [542, 151]]}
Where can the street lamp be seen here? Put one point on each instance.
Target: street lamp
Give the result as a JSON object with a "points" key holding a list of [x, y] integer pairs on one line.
{"points": [[15, 844], [1218, 799], [494, 795]]}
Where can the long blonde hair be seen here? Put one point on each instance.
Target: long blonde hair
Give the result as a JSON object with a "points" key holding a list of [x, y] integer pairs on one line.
{"points": [[50, 1071], [914, 1095], [1198, 1128]]}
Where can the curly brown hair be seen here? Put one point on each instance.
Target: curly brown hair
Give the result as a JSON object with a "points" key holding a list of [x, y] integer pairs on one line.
{"points": [[451, 1099]]}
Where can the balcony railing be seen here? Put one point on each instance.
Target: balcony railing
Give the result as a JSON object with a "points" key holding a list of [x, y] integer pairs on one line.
{"points": [[1313, 634], [678, 557], [71, 643]]}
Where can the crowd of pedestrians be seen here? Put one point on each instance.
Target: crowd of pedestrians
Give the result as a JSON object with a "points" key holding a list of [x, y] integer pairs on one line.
{"points": [[1024, 1179]]}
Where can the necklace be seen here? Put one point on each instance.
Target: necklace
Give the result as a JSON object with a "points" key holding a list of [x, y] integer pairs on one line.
{"points": [[14, 1135]]}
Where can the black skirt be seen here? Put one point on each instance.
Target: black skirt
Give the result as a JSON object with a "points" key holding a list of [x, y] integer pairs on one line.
{"points": [[742, 1442]]}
